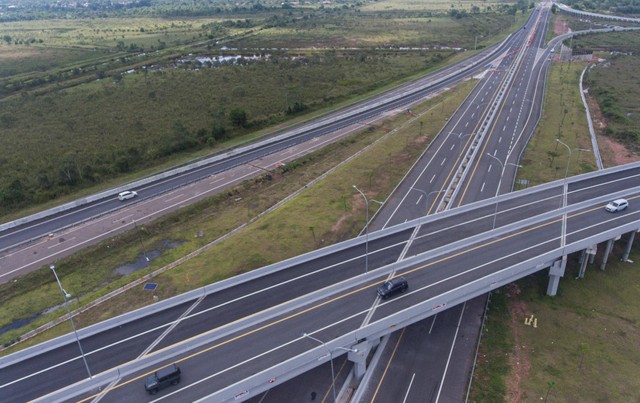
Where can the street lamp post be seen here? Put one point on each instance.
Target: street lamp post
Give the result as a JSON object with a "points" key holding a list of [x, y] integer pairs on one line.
{"points": [[426, 196], [495, 212], [66, 295], [333, 377], [566, 171], [366, 229], [566, 189]]}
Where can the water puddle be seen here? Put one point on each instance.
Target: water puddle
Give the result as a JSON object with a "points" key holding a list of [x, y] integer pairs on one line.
{"points": [[141, 262], [144, 259]]}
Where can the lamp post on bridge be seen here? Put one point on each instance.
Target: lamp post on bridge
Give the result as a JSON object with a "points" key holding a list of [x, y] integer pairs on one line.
{"points": [[66, 296], [366, 228], [333, 376], [565, 189], [566, 171], [426, 196]]}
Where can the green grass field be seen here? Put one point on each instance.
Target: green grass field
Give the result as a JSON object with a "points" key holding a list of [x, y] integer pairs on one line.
{"points": [[614, 83]]}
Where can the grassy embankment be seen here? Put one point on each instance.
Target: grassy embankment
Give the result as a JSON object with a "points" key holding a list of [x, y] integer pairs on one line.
{"points": [[614, 84], [323, 214], [584, 347]]}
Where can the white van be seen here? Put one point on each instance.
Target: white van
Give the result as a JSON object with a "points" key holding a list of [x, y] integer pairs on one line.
{"points": [[127, 194]]}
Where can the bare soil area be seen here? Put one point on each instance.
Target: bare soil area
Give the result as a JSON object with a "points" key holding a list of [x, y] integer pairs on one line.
{"points": [[519, 361], [611, 152], [560, 26]]}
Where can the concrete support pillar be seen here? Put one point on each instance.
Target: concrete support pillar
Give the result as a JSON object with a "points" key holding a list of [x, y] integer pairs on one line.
{"points": [[583, 263], [358, 356], [627, 249], [555, 272], [607, 252], [592, 253], [587, 256]]}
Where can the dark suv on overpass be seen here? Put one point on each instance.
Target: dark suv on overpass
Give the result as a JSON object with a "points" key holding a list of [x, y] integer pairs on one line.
{"points": [[162, 378], [393, 286]]}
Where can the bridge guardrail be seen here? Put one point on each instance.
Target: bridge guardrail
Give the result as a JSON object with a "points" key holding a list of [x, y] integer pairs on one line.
{"points": [[211, 288], [379, 328]]}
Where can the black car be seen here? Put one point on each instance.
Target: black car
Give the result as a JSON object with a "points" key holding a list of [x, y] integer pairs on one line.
{"points": [[395, 285], [162, 378]]}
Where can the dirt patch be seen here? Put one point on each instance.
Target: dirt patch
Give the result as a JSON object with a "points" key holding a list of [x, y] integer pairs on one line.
{"points": [[611, 152], [519, 361], [619, 153], [336, 227], [421, 140], [560, 26]]}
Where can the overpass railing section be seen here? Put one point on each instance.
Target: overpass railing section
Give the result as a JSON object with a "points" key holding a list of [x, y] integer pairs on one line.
{"points": [[316, 356]]}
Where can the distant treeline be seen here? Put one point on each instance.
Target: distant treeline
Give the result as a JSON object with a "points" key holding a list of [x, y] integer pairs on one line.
{"points": [[43, 9]]}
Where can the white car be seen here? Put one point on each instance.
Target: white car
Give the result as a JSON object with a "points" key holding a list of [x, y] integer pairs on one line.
{"points": [[617, 205], [127, 194]]}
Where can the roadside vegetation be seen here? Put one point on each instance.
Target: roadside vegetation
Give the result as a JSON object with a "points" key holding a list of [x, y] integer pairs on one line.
{"points": [[147, 85], [614, 7], [614, 84], [545, 159]]}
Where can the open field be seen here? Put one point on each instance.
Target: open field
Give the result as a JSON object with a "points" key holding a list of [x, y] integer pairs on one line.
{"points": [[331, 211], [614, 84], [393, 30], [112, 97], [433, 5]]}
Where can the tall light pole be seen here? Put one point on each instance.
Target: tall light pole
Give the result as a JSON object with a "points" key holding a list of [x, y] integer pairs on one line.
{"points": [[566, 189], [426, 196], [333, 377], [566, 171], [495, 212], [66, 295], [366, 229]]}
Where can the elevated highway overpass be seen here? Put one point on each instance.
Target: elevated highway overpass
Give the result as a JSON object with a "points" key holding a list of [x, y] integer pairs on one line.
{"points": [[244, 347], [585, 14]]}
